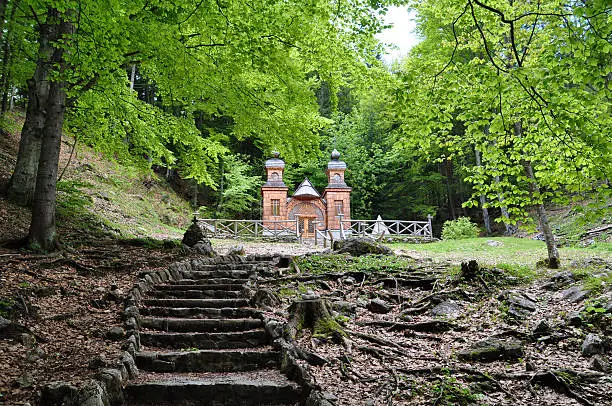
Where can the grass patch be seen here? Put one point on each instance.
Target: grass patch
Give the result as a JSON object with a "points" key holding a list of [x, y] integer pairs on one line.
{"points": [[340, 263], [512, 251]]}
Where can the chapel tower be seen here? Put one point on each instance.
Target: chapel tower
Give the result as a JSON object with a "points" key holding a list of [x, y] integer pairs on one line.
{"points": [[337, 194], [274, 191]]}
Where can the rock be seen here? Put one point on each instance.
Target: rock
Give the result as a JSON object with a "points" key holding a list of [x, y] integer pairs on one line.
{"points": [[58, 393], [349, 280], [318, 398], [265, 297], [344, 307], [574, 319], [111, 378], [593, 344], [361, 303], [518, 299], [97, 362], [541, 328], [493, 349], [25, 380], [493, 243], [519, 306], [378, 306], [309, 295], [204, 248], [563, 278], [237, 250], [113, 295], [574, 294], [28, 340], [35, 354], [131, 311], [358, 246], [115, 333], [7, 328], [599, 363], [128, 362], [446, 308], [92, 394], [195, 233]]}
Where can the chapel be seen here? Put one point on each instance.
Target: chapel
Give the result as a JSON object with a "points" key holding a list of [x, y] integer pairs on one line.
{"points": [[307, 208]]}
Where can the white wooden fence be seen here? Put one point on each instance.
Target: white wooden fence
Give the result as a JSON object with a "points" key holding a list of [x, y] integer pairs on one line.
{"points": [[289, 229]]}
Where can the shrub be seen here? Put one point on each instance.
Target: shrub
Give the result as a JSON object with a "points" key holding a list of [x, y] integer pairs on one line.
{"points": [[459, 229]]}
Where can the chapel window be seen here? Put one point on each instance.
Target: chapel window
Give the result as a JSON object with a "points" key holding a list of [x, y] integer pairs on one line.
{"points": [[275, 207]]}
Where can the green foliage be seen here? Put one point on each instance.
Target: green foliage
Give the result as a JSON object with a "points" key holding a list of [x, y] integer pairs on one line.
{"points": [[519, 274], [337, 263], [449, 391], [6, 307], [459, 229], [240, 192], [533, 94], [71, 200]]}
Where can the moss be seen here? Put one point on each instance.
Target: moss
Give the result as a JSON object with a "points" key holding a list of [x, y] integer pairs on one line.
{"points": [[328, 327]]}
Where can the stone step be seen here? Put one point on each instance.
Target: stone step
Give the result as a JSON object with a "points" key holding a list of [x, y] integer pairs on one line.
{"points": [[244, 389], [219, 273], [203, 286], [205, 341], [212, 281], [181, 325], [196, 302], [195, 294], [207, 360], [248, 266], [201, 312]]}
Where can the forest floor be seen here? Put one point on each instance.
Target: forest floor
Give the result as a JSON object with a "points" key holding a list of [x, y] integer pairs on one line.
{"points": [[410, 329]]}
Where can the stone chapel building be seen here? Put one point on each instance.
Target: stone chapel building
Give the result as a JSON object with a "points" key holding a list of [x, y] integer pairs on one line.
{"points": [[307, 208]]}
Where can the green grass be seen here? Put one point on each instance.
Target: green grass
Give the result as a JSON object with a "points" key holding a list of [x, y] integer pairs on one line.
{"points": [[339, 263], [514, 251]]}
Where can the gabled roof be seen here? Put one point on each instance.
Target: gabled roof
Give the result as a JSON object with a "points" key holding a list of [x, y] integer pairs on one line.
{"points": [[306, 190]]}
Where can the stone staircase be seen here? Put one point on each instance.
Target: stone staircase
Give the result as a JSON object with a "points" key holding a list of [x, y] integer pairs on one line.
{"points": [[200, 343]]}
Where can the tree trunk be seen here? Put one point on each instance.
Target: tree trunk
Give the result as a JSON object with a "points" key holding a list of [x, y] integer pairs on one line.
{"points": [[551, 245], [312, 314], [483, 200], [132, 76], [23, 181], [42, 228], [447, 168], [7, 56]]}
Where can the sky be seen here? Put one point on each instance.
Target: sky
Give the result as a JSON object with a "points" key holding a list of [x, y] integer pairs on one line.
{"points": [[402, 33]]}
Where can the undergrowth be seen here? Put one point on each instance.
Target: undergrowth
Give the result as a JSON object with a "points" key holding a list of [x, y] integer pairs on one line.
{"points": [[339, 263]]}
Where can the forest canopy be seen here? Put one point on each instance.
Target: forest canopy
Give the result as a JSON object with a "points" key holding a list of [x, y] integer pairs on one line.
{"points": [[503, 108]]}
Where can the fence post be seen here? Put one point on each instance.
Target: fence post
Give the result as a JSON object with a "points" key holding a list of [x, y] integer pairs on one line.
{"points": [[256, 224], [215, 227], [429, 217]]}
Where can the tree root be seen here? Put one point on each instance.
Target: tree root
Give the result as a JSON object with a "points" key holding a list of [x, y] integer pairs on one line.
{"points": [[557, 383], [434, 325]]}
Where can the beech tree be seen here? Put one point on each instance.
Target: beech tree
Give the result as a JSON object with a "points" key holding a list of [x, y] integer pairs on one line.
{"points": [[536, 76], [250, 61]]}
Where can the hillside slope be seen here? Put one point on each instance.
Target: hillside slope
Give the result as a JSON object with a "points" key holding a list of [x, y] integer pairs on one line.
{"points": [[96, 197]]}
